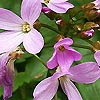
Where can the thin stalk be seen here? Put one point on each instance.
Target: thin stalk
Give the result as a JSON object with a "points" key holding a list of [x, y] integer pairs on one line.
{"points": [[82, 46], [38, 58], [50, 27]]}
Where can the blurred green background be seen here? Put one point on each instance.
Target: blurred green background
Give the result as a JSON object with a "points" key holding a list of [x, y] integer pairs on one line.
{"points": [[29, 71]]}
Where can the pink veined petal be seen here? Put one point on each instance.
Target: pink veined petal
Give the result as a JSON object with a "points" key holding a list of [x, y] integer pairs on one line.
{"points": [[76, 55], [60, 7], [8, 79], [87, 72], [9, 20], [64, 59], [97, 57], [30, 10], [33, 41], [70, 90], [3, 61], [58, 1], [52, 63], [66, 41], [9, 40], [46, 89]]}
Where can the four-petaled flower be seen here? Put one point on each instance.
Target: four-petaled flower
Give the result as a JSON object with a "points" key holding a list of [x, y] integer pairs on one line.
{"points": [[63, 55], [21, 30], [58, 6], [86, 73]]}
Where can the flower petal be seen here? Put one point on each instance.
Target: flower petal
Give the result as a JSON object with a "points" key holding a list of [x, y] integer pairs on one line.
{"points": [[52, 63], [97, 57], [9, 20], [58, 1], [87, 72], [65, 41], [70, 90], [65, 60], [76, 55], [60, 7], [33, 41], [46, 89], [9, 40], [30, 10]]}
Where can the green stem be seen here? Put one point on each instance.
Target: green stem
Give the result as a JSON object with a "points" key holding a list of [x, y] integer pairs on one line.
{"points": [[81, 46], [40, 60], [51, 28], [89, 41]]}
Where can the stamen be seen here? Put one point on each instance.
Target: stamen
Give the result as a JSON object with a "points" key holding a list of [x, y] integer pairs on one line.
{"points": [[26, 28], [46, 1], [61, 48]]}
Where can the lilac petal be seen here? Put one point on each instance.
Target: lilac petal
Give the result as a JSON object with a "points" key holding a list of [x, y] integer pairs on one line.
{"points": [[3, 61], [8, 79], [97, 57], [60, 7], [87, 72], [9, 20], [7, 91], [9, 40], [66, 41], [58, 1], [33, 41], [52, 63], [65, 60], [46, 89], [70, 90], [76, 55], [30, 10]]}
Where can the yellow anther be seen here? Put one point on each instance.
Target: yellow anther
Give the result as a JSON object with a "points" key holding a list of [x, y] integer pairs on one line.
{"points": [[26, 28], [46, 1], [61, 48]]}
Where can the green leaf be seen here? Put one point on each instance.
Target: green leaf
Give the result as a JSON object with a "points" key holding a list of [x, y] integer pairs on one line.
{"points": [[91, 91]]}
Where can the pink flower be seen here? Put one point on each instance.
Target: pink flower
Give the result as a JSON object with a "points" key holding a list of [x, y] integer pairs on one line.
{"points": [[6, 74], [58, 6], [21, 30], [86, 73], [63, 55], [7, 71], [97, 5], [97, 56]]}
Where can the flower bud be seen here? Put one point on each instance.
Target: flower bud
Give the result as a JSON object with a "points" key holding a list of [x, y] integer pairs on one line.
{"points": [[61, 23], [91, 14], [86, 34], [96, 46], [90, 25], [49, 13], [87, 7], [37, 25]]}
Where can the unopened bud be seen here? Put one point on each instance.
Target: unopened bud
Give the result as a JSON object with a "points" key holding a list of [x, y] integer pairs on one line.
{"points": [[87, 7], [59, 37], [86, 34], [49, 13], [45, 10], [61, 23], [91, 14], [96, 46], [90, 25], [37, 25]]}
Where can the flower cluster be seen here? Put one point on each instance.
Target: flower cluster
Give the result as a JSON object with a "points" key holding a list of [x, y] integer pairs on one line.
{"points": [[25, 31]]}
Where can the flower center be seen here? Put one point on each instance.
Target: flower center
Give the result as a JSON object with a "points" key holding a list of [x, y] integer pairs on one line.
{"points": [[46, 1], [61, 48], [26, 28]]}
